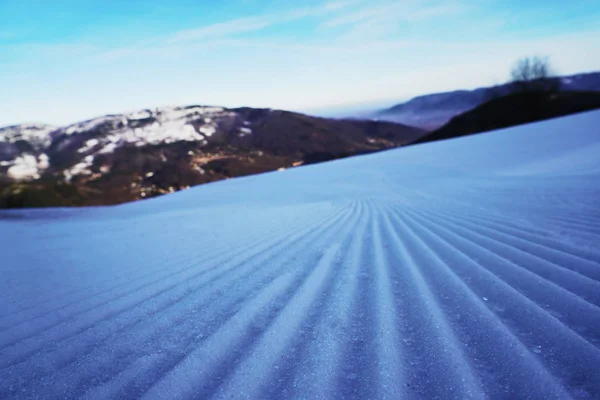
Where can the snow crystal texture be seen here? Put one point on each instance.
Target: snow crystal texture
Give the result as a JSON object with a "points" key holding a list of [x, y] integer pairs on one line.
{"points": [[462, 269]]}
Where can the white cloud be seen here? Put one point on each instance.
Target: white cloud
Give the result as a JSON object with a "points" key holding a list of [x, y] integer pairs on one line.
{"points": [[257, 23], [366, 25], [387, 11], [338, 5], [375, 20], [221, 29]]}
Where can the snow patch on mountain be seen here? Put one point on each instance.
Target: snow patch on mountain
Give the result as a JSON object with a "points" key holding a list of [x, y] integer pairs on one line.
{"points": [[38, 135], [208, 130], [27, 166], [164, 125], [244, 131], [82, 168], [89, 145], [161, 125]]}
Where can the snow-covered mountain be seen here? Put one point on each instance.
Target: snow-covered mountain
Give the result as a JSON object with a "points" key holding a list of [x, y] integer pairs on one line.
{"points": [[108, 133], [87, 140], [431, 111], [37, 135], [460, 269], [22, 150], [156, 151]]}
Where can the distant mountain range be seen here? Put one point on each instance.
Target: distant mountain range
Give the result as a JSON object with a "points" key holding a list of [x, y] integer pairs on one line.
{"points": [[118, 158], [434, 110]]}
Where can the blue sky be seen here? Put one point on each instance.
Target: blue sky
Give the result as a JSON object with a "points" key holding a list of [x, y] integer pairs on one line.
{"points": [[67, 60]]}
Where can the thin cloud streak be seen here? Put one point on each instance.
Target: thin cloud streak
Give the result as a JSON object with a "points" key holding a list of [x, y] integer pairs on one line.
{"points": [[256, 23], [243, 25], [395, 11]]}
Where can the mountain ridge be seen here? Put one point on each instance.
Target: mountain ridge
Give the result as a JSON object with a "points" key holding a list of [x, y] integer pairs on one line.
{"points": [[122, 157], [515, 109], [431, 111]]}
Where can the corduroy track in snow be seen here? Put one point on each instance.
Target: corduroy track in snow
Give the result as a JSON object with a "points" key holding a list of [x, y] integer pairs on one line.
{"points": [[367, 278]]}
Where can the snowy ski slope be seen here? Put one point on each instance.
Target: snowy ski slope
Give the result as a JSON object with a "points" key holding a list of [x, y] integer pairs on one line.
{"points": [[463, 269]]}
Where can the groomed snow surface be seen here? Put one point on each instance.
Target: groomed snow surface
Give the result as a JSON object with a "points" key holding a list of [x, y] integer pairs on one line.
{"points": [[463, 269]]}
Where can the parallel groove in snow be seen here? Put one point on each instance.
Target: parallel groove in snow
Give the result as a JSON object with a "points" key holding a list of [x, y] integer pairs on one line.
{"points": [[247, 380], [215, 308], [197, 362], [524, 243], [75, 348], [531, 265], [160, 266], [450, 373], [550, 333], [529, 371], [428, 272], [220, 257], [319, 367], [391, 368], [518, 232]]}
